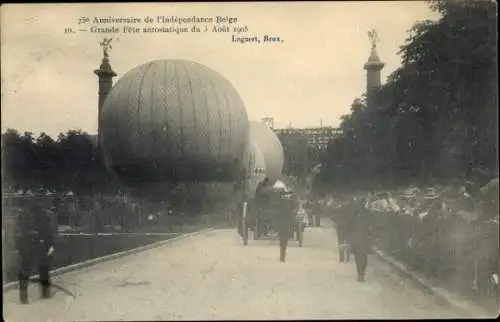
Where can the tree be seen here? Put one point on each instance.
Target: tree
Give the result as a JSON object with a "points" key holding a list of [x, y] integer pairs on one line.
{"points": [[72, 163], [46, 167], [19, 159], [12, 160], [436, 116]]}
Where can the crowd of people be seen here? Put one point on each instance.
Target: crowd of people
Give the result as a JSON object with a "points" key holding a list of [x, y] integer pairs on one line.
{"points": [[354, 227], [442, 232], [447, 233]]}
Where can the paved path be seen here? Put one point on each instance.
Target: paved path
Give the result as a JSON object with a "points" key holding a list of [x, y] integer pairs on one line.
{"points": [[212, 276]]}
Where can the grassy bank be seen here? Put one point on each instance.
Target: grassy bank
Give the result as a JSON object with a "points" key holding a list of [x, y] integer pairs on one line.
{"points": [[72, 248]]}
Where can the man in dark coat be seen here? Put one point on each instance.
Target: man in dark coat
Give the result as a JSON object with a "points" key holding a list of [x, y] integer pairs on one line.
{"points": [[317, 214], [359, 237], [34, 239], [341, 226], [286, 217]]}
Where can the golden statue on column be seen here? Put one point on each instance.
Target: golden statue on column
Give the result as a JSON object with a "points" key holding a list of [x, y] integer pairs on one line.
{"points": [[106, 45]]}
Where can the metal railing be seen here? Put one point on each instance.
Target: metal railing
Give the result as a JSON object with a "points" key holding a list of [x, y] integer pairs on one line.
{"points": [[81, 241]]}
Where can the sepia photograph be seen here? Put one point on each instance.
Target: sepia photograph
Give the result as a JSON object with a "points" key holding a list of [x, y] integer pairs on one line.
{"points": [[204, 161]]}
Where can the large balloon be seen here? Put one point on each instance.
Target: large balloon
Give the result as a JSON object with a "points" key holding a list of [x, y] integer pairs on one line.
{"points": [[269, 144], [174, 120], [256, 171]]}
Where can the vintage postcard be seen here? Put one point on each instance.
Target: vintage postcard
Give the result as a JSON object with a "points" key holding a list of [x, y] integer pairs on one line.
{"points": [[250, 160]]}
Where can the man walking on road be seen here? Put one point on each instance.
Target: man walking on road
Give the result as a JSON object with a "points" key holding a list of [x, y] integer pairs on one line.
{"points": [[359, 237], [310, 213], [286, 217], [317, 214], [341, 226], [34, 239]]}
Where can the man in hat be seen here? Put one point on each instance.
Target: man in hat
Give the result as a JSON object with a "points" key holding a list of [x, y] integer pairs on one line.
{"points": [[310, 213], [359, 236], [286, 216], [34, 239], [341, 221], [317, 214]]}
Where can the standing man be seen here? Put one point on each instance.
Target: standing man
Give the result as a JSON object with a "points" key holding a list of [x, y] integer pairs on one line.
{"points": [[302, 215], [341, 226], [286, 217], [34, 238], [359, 237], [310, 213], [318, 212]]}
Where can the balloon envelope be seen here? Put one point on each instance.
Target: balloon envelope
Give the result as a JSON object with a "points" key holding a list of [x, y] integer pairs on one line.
{"points": [[174, 120], [270, 146], [256, 170]]}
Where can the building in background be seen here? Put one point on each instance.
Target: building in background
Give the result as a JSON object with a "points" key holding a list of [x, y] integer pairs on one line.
{"points": [[269, 121], [318, 137], [303, 148]]}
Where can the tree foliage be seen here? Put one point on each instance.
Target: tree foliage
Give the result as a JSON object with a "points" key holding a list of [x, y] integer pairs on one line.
{"points": [[73, 163], [70, 163], [436, 117]]}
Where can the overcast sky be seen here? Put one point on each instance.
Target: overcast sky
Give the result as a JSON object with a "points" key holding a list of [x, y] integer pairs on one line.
{"points": [[315, 73]]}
